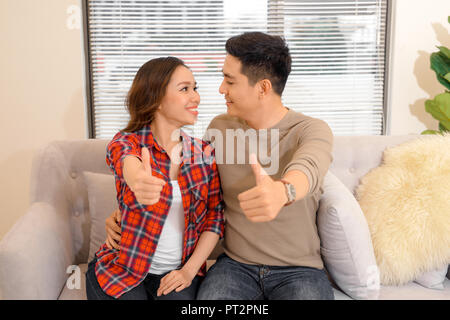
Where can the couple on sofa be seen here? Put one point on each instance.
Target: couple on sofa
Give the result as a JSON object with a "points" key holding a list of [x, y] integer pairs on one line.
{"points": [[176, 192]]}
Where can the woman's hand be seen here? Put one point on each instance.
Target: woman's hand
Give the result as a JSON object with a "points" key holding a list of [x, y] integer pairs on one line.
{"points": [[146, 187], [180, 279], [113, 231], [176, 280]]}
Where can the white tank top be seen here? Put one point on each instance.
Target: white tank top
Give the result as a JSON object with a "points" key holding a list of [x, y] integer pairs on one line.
{"points": [[169, 251]]}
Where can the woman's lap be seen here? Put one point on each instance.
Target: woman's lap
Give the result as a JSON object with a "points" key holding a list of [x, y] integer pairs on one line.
{"points": [[146, 290]]}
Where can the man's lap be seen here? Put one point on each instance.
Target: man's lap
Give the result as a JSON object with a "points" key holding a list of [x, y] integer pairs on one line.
{"points": [[300, 283], [228, 279]]}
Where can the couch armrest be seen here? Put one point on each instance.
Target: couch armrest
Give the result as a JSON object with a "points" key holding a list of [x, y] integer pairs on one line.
{"points": [[35, 253]]}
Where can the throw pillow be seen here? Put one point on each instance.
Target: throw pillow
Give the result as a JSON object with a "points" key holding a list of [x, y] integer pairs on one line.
{"points": [[346, 247], [433, 279], [102, 202], [407, 206]]}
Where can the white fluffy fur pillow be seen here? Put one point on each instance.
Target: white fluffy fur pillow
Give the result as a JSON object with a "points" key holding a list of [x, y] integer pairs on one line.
{"points": [[406, 201]]}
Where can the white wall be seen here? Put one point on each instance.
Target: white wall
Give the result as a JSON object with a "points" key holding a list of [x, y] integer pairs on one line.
{"points": [[418, 26], [41, 92], [41, 83]]}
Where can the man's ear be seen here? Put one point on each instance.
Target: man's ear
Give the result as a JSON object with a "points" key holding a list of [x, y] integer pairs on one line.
{"points": [[265, 86]]}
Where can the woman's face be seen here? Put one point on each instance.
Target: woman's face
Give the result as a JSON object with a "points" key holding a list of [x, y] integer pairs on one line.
{"points": [[180, 103]]}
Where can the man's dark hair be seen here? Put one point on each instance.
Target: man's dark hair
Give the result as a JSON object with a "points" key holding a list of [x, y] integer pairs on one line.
{"points": [[263, 56]]}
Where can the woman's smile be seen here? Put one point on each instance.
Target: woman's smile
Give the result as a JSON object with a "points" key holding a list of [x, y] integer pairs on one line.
{"points": [[193, 110]]}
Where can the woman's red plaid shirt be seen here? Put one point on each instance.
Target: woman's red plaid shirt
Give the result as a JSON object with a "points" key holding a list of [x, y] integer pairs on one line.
{"points": [[118, 271]]}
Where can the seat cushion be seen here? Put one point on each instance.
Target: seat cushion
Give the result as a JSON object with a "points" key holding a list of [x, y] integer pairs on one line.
{"points": [[411, 291], [80, 294], [414, 291], [76, 294]]}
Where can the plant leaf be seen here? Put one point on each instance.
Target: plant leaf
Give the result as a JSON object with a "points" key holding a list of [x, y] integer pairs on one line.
{"points": [[442, 128], [443, 81], [440, 64], [445, 51], [430, 132], [447, 77], [439, 108]]}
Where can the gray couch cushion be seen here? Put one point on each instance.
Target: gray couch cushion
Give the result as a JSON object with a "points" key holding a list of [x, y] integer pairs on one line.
{"points": [[102, 202], [345, 242]]}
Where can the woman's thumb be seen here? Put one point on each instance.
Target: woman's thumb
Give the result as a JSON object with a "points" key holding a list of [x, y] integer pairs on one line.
{"points": [[145, 154]]}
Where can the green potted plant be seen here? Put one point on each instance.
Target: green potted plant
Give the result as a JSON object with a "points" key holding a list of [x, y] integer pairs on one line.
{"points": [[439, 107]]}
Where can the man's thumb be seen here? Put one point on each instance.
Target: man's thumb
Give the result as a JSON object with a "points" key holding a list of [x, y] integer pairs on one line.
{"points": [[258, 171], [145, 154]]}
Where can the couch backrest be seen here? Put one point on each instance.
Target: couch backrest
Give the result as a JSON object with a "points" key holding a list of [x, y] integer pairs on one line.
{"points": [[355, 156], [57, 175]]}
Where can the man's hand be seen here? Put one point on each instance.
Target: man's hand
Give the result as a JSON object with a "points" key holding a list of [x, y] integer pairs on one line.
{"points": [[146, 188], [263, 202], [176, 280], [113, 231]]}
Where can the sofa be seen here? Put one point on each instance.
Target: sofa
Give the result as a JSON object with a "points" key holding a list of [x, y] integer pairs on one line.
{"points": [[45, 254]]}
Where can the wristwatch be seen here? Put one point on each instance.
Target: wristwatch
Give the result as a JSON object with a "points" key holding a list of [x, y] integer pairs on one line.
{"points": [[290, 192]]}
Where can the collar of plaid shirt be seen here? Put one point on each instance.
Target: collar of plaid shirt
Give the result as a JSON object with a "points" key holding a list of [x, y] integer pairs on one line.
{"points": [[119, 271], [192, 151]]}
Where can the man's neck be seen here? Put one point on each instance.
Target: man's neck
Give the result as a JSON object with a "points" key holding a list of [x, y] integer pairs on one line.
{"points": [[266, 116]]}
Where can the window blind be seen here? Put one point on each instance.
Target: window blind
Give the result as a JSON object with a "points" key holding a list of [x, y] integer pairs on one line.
{"points": [[337, 47]]}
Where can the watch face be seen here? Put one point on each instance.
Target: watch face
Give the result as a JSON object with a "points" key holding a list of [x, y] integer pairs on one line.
{"points": [[291, 192]]}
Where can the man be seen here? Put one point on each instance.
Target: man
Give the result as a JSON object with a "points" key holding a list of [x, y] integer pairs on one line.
{"points": [[271, 245]]}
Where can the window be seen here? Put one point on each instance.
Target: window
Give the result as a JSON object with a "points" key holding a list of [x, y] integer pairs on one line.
{"points": [[337, 47]]}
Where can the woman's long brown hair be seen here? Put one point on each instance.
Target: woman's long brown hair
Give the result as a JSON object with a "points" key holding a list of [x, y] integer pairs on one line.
{"points": [[148, 89]]}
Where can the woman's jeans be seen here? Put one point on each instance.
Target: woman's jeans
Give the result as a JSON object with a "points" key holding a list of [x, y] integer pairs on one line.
{"points": [[228, 279], [146, 290]]}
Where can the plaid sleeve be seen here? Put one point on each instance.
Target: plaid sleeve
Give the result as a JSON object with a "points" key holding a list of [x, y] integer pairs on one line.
{"points": [[214, 219], [122, 145]]}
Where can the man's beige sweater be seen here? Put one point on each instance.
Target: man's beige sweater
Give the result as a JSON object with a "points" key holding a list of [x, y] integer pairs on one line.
{"points": [[304, 144]]}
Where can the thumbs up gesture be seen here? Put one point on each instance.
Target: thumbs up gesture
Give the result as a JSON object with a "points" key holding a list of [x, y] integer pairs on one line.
{"points": [[146, 188], [263, 202]]}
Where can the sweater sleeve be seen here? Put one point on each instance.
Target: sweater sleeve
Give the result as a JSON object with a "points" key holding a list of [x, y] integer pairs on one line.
{"points": [[313, 155]]}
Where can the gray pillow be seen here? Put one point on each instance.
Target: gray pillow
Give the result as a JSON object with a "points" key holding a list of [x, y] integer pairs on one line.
{"points": [[102, 202], [346, 245]]}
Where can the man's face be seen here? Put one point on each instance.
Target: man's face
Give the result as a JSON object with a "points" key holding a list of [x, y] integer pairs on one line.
{"points": [[241, 98]]}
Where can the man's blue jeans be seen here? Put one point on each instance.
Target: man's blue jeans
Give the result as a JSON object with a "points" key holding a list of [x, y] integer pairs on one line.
{"points": [[228, 279]]}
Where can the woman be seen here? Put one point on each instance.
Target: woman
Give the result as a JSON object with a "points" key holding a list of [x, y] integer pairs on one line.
{"points": [[171, 206]]}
